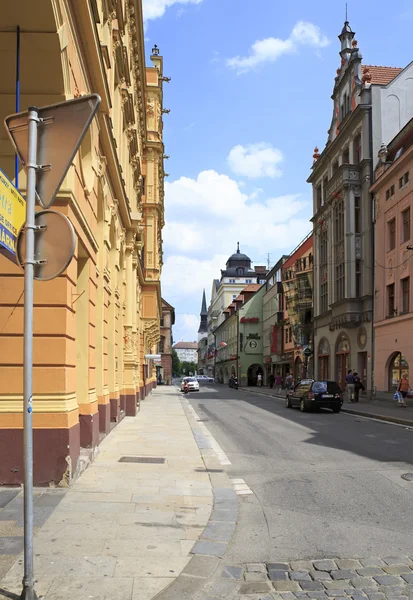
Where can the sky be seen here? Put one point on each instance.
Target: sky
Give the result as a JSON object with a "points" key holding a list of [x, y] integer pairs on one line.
{"points": [[250, 98]]}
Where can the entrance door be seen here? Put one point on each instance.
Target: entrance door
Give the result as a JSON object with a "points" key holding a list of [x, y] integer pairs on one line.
{"points": [[362, 367], [323, 367], [342, 362]]}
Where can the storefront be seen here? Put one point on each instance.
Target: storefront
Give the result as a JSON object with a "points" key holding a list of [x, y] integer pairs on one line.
{"points": [[342, 359]]}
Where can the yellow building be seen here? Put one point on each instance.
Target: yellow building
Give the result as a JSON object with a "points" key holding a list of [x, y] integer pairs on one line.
{"points": [[93, 325]]}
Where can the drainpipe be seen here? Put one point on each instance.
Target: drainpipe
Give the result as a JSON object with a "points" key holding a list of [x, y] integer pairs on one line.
{"points": [[373, 218], [238, 353]]}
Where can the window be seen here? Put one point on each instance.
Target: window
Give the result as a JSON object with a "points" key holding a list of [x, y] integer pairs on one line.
{"points": [[339, 222], [325, 182], [404, 180], [162, 345], [390, 300], [346, 156], [323, 297], [406, 225], [358, 278], [392, 234], [248, 281], [390, 192], [162, 322], [290, 334], [240, 271], [232, 281], [357, 215], [335, 166], [340, 281], [143, 185], [286, 335], [357, 150], [319, 197], [234, 296], [406, 294]]}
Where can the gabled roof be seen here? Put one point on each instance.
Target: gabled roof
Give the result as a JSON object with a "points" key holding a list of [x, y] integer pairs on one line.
{"points": [[382, 75], [185, 346]]}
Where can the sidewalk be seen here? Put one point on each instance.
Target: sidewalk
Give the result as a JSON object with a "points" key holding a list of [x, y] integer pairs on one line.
{"points": [[382, 408], [124, 530]]}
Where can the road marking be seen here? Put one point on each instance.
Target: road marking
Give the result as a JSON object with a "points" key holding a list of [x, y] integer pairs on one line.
{"points": [[240, 487], [221, 456]]}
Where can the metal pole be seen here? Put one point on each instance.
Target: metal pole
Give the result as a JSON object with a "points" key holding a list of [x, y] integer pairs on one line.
{"points": [[16, 165], [28, 592]]}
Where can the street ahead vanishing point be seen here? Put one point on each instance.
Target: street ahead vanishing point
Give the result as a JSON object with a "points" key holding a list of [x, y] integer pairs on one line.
{"points": [[46, 141]]}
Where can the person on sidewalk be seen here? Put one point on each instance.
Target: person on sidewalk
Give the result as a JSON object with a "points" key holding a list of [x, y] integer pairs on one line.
{"points": [[289, 381], [403, 389], [350, 383], [259, 380], [279, 382], [357, 386], [271, 379]]}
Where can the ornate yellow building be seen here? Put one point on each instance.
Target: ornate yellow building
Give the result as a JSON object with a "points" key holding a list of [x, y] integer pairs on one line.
{"points": [[95, 324]]}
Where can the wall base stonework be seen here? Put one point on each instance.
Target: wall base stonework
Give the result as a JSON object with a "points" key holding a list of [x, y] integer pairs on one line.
{"points": [[104, 418], [89, 430], [55, 455], [115, 409]]}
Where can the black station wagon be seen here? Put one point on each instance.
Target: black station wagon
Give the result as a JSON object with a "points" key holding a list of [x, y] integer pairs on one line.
{"points": [[310, 395]]}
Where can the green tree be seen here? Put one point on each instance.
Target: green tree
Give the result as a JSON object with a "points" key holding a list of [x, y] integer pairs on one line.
{"points": [[188, 367], [176, 363]]}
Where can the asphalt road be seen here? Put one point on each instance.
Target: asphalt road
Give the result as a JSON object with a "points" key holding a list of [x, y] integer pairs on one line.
{"points": [[324, 485]]}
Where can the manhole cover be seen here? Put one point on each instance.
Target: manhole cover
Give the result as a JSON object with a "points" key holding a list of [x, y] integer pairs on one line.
{"points": [[408, 476], [142, 459]]}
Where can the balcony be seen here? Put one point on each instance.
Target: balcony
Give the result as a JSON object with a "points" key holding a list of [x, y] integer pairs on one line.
{"points": [[345, 176]]}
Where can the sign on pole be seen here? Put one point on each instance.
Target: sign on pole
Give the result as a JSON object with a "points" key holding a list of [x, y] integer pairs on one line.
{"points": [[46, 141], [12, 216], [61, 129]]}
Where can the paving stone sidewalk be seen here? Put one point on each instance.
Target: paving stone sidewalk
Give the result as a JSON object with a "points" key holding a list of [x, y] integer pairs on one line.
{"points": [[125, 530], [329, 579]]}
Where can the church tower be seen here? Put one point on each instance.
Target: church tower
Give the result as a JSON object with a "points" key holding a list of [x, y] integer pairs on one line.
{"points": [[203, 325]]}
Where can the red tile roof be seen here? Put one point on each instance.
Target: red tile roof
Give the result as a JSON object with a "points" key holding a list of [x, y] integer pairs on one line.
{"points": [[186, 346], [252, 287], [382, 75]]}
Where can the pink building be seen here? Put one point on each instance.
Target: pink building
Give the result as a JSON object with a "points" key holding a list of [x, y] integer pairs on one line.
{"points": [[393, 314]]}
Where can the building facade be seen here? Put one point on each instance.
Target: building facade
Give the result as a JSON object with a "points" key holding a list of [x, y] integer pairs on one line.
{"points": [[187, 351], [164, 371], [393, 314], [364, 115], [237, 274], [94, 325], [297, 281], [203, 337], [273, 321]]}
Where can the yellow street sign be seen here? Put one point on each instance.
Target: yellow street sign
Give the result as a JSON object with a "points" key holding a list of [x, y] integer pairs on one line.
{"points": [[12, 216]]}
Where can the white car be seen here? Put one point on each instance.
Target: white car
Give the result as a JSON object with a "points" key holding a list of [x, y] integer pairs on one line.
{"points": [[193, 385]]}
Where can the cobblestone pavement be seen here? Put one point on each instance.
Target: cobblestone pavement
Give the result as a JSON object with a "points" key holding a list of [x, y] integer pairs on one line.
{"points": [[371, 579]]}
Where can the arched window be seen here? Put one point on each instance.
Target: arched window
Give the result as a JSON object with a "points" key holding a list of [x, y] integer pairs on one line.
{"points": [[240, 271], [398, 367], [323, 358]]}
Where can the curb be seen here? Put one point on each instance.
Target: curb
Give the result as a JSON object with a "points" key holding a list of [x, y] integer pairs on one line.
{"points": [[350, 411], [213, 542]]}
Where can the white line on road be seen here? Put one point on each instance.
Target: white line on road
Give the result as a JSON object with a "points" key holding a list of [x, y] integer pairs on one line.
{"points": [[240, 487], [221, 456]]}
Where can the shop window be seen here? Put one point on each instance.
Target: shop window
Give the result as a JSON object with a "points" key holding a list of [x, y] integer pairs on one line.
{"points": [[398, 367]]}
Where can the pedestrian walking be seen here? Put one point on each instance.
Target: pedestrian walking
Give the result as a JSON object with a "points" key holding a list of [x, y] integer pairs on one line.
{"points": [[289, 381], [358, 385], [403, 389], [350, 383], [271, 380], [259, 380], [279, 382]]}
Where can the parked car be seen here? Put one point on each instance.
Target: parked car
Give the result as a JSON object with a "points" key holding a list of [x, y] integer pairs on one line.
{"points": [[205, 378], [193, 384], [310, 394]]}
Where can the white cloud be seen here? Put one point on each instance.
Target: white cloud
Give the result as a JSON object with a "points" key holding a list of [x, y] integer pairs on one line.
{"points": [[154, 9], [270, 49], [187, 325], [206, 216], [255, 160]]}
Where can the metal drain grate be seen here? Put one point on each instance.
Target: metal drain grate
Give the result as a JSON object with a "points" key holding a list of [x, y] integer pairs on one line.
{"points": [[209, 470], [408, 476], [142, 459]]}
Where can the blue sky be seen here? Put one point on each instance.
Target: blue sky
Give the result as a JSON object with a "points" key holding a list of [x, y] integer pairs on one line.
{"points": [[249, 99]]}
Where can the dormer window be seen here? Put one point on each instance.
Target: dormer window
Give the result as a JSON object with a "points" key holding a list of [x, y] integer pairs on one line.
{"points": [[240, 271]]}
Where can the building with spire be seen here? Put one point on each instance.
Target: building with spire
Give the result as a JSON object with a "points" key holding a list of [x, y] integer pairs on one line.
{"points": [[370, 104], [203, 323], [238, 273]]}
